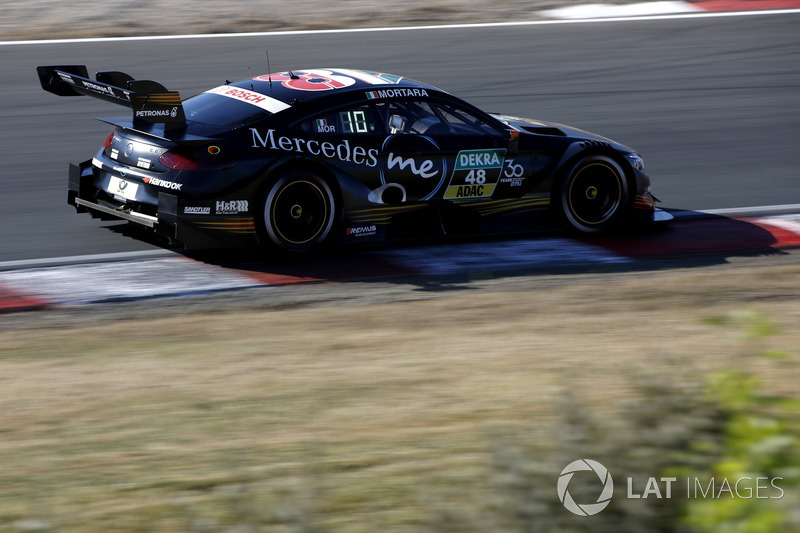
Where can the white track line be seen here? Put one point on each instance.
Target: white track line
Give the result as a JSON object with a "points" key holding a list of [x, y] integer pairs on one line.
{"points": [[691, 15], [86, 279], [758, 211], [604, 11], [108, 282], [83, 259], [77, 284]]}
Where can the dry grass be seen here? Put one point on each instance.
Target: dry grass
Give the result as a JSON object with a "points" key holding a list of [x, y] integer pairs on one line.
{"points": [[360, 417]]}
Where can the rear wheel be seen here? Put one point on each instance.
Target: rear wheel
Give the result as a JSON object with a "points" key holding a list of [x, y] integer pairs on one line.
{"points": [[594, 194], [299, 211]]}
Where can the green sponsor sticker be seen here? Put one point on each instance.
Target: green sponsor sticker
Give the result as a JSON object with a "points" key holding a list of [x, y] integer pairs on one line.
{"points": [[476, 173], [485, 159]]}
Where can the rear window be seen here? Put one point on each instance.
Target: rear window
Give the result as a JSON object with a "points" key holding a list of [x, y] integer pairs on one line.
{"points": [[216, 110]]}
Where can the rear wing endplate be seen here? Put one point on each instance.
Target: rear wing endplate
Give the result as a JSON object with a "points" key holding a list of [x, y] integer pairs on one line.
{"points": [[150, 101]]}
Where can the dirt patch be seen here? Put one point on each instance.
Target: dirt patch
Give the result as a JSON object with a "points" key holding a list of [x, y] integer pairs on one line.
{"points": [[355, 414]]}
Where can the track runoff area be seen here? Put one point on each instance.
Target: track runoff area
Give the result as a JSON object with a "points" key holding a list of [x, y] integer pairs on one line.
{"points": [[62, 281], [58, 282]]}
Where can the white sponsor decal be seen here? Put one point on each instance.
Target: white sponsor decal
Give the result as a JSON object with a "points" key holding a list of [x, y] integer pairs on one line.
{"points": [[196, 210], [251, 97], [232, 207], [479, 159], [98, 88], [156, 113], [363, 231], [396, 93], [66, 77], [324, 127], [425, 170], [342, 151], [415, 161], [163, 183]]}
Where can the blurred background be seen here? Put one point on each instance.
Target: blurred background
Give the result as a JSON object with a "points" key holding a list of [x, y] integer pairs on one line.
{"points": [[449, 404], [45, 19]]}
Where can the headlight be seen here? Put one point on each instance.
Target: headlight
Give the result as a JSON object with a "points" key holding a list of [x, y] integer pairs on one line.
{"points": [[636, 161]]}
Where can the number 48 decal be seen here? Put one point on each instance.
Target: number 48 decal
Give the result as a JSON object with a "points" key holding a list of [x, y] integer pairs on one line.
{"points": [[476, 173], [476, 177]]}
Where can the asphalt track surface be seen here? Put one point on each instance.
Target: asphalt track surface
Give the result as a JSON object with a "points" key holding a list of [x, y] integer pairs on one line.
{"points": [[713, 104]]}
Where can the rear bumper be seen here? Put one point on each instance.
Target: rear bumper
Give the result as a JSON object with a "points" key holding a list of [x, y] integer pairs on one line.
{"points": [[190, 224], [131, 216], [83, 195]]}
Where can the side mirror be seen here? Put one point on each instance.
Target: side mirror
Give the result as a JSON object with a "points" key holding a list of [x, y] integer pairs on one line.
{"points": [[513, 142]]}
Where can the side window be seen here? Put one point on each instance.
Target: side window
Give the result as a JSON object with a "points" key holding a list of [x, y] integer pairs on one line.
{"points": [[408, 116], [352, 120], [426, 118], [463, 122]]}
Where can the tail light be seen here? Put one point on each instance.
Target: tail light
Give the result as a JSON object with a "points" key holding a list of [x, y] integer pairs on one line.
{"points": [[109, 139], [176, 161], [179, 161]]}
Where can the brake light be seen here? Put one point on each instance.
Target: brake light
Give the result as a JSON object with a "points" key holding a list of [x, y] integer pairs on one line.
{"points": [[109, 139], [176, 161]]}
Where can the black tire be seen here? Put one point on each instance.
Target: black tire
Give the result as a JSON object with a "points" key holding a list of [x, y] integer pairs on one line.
{"points": [[299, 211], [594, 195]]}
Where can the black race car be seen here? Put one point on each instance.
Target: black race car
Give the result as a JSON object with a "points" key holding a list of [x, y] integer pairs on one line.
{"points": [[302, 158]]}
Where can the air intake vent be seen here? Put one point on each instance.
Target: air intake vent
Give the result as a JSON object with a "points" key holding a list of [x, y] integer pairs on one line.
{"points": [[590, 143], [544, 130]]}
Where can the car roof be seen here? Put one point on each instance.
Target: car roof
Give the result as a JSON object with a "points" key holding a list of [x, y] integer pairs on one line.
{"points": [[312, 84]]}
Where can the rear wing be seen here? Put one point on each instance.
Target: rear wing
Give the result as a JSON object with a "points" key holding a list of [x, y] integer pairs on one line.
{"points": [[150, 101]]}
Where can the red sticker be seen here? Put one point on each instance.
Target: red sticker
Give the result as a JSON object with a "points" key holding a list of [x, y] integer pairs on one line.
{"points": [[316, 80]]}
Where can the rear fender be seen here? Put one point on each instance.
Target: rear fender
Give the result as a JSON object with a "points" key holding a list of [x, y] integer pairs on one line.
{"points": [[349, 191]]}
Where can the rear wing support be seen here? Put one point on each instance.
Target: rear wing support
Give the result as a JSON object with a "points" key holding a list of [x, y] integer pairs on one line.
{"points": [[150, 101]]}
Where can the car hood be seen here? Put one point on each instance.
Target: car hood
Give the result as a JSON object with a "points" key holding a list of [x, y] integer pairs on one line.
{"points": [[541, 127]]}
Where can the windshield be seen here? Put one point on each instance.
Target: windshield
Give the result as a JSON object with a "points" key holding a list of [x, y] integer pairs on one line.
{"points": [[217, 110]]}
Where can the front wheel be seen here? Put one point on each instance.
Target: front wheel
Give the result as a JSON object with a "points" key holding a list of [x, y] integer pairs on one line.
{"points": [[299, 211], [594, 194]]}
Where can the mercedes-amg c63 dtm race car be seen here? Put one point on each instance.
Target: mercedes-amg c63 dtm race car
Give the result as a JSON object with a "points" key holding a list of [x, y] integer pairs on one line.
{"points": [[302, 158]]}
